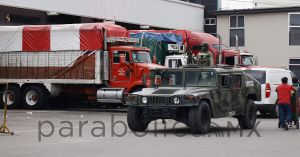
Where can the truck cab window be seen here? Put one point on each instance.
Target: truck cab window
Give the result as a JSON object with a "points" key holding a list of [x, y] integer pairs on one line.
{"points": [[229, 60], [116, 56], [141, 57], [175, 63]]}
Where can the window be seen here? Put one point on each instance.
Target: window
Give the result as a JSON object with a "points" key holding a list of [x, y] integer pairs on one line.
{"points": [[237, 81], [175, 63], [117, 56], [237, 28], [259, 75], [210, 21], [294, 29], [294, 66], [225, 81], [172, 78], [200, 78]]}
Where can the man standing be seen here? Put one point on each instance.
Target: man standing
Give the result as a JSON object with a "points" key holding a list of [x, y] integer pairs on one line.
{"points": [[284, 92], [295, 100]]}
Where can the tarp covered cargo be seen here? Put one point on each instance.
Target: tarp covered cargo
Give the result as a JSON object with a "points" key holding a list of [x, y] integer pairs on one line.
{"points": [[185, 34], [157, 42], [33, 38]]}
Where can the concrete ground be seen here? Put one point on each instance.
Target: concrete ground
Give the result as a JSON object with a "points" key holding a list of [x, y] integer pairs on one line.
{"points": [[105, 133]]}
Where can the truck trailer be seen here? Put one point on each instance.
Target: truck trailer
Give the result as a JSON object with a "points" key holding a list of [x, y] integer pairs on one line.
{"points": [[94, 61]]}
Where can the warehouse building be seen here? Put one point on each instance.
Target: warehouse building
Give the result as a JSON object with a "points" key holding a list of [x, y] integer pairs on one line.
{"points": [[162, 14]]}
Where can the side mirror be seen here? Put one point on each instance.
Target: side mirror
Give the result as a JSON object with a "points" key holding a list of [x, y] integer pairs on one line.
{"points": [[122, 59], [154, 59]]}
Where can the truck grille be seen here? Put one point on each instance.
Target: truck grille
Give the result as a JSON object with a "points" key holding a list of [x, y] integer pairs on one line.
{"points": [[159, 100]]}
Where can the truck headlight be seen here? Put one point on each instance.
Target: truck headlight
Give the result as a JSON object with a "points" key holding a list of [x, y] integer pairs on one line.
{"points": [[176, 100], [144, 100]]}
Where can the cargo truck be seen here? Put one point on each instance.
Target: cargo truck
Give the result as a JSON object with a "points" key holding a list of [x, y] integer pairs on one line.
{"points": [[93, 61], [190, 42]]}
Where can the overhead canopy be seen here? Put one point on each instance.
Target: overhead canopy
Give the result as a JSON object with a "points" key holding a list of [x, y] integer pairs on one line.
{"points": [[57, 37]]}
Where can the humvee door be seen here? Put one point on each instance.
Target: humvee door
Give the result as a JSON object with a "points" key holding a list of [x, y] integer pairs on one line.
{"points": [[237, 90], [225, 94]]}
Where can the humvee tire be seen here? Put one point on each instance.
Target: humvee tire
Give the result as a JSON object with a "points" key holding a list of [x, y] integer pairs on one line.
{"points": [[200, 118], [135, 119], [248, 120]]}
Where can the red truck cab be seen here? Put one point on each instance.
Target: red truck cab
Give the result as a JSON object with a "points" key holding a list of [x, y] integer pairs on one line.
{"points": [[127, 74], [129, 69]]}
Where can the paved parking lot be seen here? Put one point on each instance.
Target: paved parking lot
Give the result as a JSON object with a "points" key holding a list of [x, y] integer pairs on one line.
{"points": [[93, 132]]}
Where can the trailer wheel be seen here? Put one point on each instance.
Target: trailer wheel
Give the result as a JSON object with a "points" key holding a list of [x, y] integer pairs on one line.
{"points": [[13, 96], [34, 97], [135, 120], [248, 120], [200, 118]]}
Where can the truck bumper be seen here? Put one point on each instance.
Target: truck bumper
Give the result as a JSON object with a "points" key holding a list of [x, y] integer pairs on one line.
{"points": [[110, 95]]}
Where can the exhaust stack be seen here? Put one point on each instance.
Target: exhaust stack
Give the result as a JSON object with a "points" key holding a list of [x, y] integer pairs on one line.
{"points": [[220, 48]]}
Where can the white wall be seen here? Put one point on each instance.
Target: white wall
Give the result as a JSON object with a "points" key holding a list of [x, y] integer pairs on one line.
{"points": [[275, 3], [266, 36], [239, 4], [160, 13]]}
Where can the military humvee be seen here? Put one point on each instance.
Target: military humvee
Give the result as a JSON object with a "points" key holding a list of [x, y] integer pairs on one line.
{"points": [[194, 96]]}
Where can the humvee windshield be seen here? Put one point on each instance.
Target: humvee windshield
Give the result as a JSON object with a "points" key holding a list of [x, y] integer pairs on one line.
{"points": [[200, 78], [192, 78], [172, 78]]}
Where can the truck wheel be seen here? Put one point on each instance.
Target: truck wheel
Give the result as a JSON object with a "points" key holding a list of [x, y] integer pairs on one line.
{"points": [[248, 120], [135, 119], [35, 97], [13, 97], [200, 118]]}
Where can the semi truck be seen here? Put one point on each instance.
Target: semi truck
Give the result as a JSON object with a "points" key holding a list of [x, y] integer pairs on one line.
{"points": [[191, 42], [94, 61]]}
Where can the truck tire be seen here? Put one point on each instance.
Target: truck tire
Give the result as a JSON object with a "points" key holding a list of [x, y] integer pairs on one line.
{"points": [[35, 97], [13, 97], [200, 118], [248, 120], [135, 119]]}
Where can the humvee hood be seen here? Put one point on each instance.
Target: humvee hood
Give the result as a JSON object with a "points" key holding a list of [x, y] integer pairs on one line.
{"points": [[173, 91]]}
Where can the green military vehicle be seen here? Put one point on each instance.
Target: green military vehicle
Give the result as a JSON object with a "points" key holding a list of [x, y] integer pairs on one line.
{"points": [[194, 95]]}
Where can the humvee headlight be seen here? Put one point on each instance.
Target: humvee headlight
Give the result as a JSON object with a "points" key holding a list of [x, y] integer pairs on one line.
{"points": [[144, 100], [176, 100]]}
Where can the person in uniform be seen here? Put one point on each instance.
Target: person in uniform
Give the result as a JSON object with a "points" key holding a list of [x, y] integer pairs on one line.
{"points": [[205, 57]]}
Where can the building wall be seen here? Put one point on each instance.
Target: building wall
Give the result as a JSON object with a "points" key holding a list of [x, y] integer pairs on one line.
{"points": [[15, 16], [274, 3], [174, 14], [266, 36]]}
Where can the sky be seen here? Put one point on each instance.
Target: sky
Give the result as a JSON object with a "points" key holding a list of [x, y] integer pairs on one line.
{"points": [[239, 4]]}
